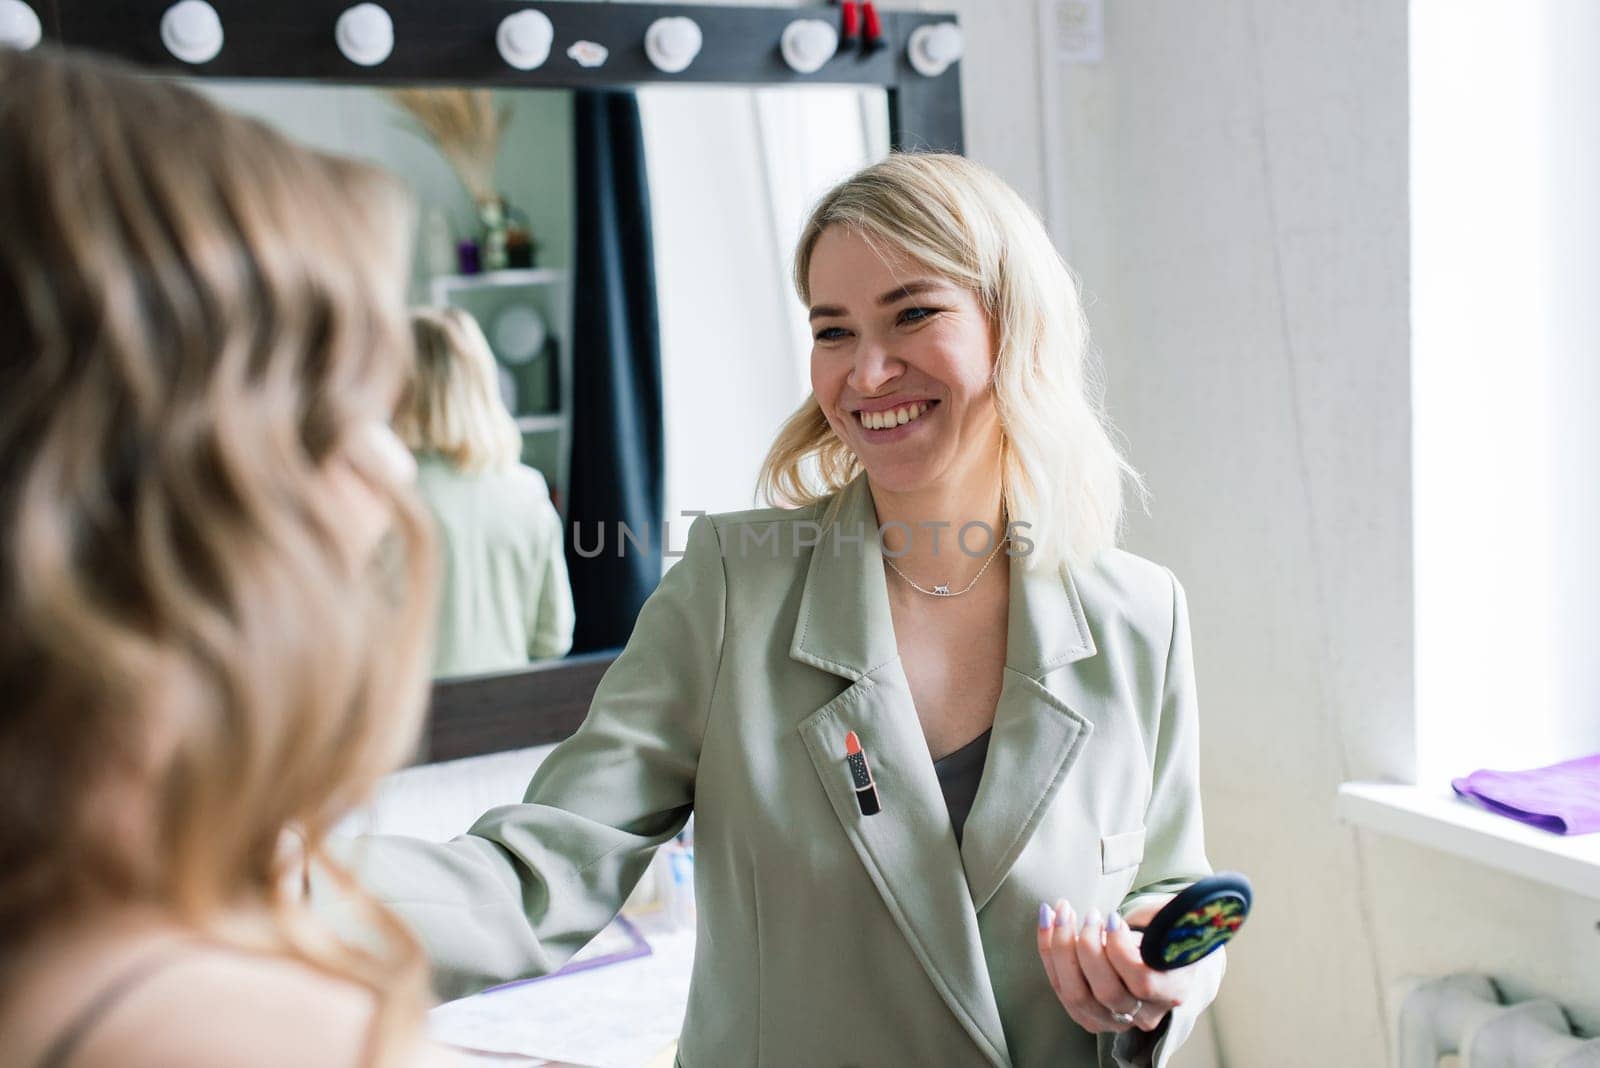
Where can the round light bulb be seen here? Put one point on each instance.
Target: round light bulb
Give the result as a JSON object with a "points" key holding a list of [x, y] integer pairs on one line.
{"points": [[932, 48], [672, 43], [19, 25], [192, 31], [807, 44], [365, 34], [524, 39]]}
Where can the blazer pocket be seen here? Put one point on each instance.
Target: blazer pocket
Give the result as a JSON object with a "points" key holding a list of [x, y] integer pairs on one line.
{"points": [[1121, 851]]}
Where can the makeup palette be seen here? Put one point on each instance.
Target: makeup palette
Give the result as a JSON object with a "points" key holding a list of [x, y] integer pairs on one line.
{"points": [[1200, 920]]}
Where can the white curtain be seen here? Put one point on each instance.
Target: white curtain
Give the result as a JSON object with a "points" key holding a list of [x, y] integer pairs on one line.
{"points": [[733, 172]]}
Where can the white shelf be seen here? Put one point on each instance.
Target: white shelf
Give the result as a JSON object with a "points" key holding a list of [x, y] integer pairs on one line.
{"points": [[538, 276], [1441, 820], [543, 421]]}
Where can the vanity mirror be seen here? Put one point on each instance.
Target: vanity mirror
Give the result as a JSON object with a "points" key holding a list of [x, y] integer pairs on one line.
{"points": [[623, 242]]}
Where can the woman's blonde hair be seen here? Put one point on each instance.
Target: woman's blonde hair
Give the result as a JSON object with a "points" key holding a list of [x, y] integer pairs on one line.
{"points": [[1061, 471], [200, 322], [453, 406]]}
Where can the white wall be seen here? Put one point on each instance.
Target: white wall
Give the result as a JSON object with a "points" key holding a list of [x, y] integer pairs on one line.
{"points": [[1239, 212]]}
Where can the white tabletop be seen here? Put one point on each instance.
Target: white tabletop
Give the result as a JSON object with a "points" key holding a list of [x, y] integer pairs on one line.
{"points": [[622, 1015]]}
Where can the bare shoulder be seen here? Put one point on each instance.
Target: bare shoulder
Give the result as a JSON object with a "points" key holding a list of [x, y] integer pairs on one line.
{"points": [[223, 1009]]}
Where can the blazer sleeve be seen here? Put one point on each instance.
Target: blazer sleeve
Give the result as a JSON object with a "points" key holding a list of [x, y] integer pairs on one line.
{"points": [[529, 884], [1175, 854]]}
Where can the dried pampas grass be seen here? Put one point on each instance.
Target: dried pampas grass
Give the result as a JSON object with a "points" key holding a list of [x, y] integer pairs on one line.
{"points": [[466, 126]]}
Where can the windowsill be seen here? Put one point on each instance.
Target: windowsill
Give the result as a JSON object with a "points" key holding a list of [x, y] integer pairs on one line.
{"points": [[1440, 820]]}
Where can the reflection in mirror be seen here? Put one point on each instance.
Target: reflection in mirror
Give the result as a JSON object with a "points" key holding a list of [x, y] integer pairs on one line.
{"points": [[499, 177], [504, 595], [733, 172]]}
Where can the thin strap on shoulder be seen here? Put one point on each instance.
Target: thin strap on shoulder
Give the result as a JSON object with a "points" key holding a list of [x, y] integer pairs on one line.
{"points": [[71, 1038]]}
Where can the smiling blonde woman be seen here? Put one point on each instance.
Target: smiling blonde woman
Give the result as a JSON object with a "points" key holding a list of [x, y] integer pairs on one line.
{"points": [[935, 774]]}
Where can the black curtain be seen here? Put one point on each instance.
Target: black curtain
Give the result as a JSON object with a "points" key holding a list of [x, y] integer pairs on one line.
{"points": [[618, 447]]}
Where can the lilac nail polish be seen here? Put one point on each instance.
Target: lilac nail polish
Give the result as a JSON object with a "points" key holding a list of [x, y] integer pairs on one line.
{"points": [[1091, 921], [1046, 917], [1064, 917], [1114, 921]]}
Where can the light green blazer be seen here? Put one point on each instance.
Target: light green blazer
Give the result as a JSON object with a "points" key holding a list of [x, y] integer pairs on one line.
{"points": [[827, 937], [504, 596]]}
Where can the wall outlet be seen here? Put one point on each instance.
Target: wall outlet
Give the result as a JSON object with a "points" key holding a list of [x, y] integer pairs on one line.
{"points": [[1074, 30]]}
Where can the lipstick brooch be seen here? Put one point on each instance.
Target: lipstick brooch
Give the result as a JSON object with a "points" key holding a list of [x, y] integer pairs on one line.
{"points": [[861, 776]]}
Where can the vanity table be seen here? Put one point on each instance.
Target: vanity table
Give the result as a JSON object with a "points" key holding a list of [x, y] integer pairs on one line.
{"points": [[625, 1013]]}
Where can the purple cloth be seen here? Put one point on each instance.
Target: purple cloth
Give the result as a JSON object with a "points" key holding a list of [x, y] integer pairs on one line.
{"points": [[1564, 798]]}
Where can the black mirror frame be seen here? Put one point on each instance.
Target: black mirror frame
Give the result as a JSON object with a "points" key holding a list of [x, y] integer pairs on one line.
{"points": [[454, 44]]}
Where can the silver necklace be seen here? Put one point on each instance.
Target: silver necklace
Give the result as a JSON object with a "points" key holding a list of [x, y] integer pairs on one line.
{"points": [[945, 590]]}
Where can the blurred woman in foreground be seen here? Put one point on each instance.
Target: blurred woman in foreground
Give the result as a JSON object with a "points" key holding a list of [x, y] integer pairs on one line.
{"points": [[214, 584]]}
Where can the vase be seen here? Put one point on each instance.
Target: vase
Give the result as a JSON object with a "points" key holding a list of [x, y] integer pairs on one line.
{"points": [[495, 226]]}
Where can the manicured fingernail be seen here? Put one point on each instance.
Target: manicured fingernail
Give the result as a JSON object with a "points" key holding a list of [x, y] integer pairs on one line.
{"points": [[1046, 917], [1091, 921], [1063, 913], [1114, 921]]}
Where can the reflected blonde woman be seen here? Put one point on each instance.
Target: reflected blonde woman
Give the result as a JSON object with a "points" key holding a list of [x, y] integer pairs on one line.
{"points": [[504, 597], [214, 583]]}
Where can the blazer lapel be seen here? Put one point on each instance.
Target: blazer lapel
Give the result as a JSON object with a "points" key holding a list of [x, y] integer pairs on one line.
{"points": [[909, 852], [1038, 734]]}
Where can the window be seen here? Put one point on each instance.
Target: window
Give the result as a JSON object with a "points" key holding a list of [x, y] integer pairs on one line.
{"points": [[1505, 172]]}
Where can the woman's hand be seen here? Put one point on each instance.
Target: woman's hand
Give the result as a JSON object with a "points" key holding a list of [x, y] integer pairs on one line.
{"points": [[1096, 971]]}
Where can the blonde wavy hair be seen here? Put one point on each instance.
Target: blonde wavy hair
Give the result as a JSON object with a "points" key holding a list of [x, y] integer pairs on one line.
{"points": [[452, 405], [1062, 472], [201, 321]]}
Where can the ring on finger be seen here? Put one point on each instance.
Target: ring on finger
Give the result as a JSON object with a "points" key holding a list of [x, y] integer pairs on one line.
{"points": [[1127, 1017]]}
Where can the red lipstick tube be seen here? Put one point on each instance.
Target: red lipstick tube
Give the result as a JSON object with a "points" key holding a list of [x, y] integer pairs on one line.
{"points": [[861, 776], [872, 28], [850, 19]]}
